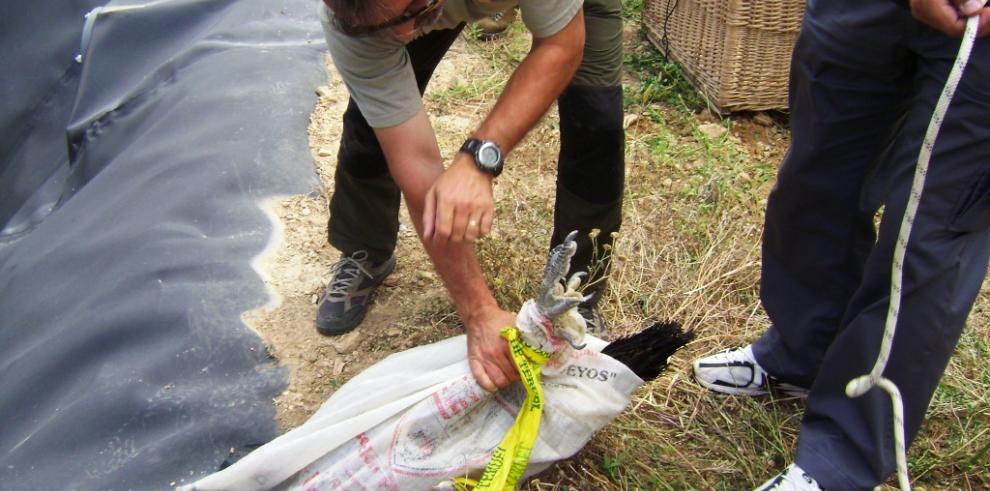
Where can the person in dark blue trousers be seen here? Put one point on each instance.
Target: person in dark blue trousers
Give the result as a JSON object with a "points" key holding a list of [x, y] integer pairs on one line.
{"points": [[865, 78]]}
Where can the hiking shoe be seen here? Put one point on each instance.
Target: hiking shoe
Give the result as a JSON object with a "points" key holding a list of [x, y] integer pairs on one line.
{"points": [[345, 301], [493, 27], [735, 371], [595, 321], [792, 479]]}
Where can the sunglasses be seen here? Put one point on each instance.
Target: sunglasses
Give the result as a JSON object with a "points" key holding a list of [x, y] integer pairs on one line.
{"points": [[422, 17]]}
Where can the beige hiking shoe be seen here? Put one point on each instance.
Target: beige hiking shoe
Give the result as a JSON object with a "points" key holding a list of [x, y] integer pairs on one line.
{"points": [[494, 26]]}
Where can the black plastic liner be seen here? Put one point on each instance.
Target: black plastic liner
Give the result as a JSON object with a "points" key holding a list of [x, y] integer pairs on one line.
{"points": [[129, 191]]}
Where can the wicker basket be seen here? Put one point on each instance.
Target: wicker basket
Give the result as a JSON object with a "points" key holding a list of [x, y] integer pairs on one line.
{"points": [[736, 52]]}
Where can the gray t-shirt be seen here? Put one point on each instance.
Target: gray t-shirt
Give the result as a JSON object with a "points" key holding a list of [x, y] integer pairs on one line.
{"points": [[379, 75]]}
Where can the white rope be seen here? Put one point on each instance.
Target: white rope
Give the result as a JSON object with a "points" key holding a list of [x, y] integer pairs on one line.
{"points": [[860, 385]]}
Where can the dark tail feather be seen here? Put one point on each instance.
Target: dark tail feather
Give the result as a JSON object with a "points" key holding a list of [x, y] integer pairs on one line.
{"points": [[646, 352]]}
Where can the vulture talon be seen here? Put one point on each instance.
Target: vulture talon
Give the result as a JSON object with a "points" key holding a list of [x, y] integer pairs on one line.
{"points": [[553, 298], [558, 298], [575, 280]]}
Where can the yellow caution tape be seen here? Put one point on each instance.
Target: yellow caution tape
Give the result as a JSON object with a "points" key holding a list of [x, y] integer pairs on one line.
{"points": [[510, 458]]}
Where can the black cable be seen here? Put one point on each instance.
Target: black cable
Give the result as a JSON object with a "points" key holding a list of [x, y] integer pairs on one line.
{"points": [[668, 11]]}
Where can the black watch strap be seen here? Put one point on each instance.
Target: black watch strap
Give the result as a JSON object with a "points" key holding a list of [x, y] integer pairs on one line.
{"points": [[471, 146], [487, 155]]}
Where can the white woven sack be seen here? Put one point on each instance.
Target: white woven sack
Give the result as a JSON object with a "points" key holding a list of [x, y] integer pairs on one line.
{"points": [[417, 419]]}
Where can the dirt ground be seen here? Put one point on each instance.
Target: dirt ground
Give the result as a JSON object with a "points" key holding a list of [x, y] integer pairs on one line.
{"points": [[297, 268]]}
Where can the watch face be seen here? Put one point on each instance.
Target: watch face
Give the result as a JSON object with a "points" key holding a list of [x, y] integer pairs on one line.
{"points": [[488, 155]]}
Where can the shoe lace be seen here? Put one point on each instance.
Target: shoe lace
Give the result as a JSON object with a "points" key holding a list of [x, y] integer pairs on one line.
{"points": [[346, 271]]}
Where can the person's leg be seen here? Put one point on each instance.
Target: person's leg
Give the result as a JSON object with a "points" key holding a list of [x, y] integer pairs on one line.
{"points": [[591, 165], [848, 443], [850, 83], [364, 208]]}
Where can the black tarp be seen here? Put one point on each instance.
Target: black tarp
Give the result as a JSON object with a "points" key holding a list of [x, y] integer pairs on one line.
{"points": [[129, 191]]}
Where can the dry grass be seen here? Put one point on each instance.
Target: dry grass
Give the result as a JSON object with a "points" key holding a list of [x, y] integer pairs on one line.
{"points": [[689, 250]]}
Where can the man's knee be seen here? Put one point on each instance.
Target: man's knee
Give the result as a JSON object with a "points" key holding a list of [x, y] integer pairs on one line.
{"points": [[592, 143]]}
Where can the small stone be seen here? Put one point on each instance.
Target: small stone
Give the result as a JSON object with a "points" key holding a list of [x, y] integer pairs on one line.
{"points": [[346, 343], [315, 299], [712, 130], [629, 119], [425, 275], [338, 367], [324, 152], [762, 119], [324, 91], [391, 282], [707, 116], [667, 182], [393, 332]]}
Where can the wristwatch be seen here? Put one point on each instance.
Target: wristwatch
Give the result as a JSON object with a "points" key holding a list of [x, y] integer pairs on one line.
{"points": [[487, 155]]}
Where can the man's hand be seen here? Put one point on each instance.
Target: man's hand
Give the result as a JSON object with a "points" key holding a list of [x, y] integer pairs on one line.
{"points": [[459, 206], [488, 353], [949, 16]]}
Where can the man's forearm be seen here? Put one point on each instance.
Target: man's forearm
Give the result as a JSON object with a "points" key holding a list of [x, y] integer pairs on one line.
{"points": [[458, 267], [460, 207], [415, 164], [535, 84]]}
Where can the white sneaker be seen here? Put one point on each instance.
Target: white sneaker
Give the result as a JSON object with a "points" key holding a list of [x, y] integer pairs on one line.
{"points": [[792, 479], [735, 371]]}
